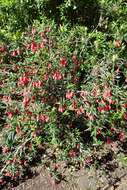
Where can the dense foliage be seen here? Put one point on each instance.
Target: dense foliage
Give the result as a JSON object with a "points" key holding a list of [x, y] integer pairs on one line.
{"points": [[63, 81]]}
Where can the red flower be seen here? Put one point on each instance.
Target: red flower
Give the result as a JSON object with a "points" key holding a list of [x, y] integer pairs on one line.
{"points": [[37, 84], [99, 131], [72, 153], [18, 130], [10, 114], [80, 111], [63, 62], [41, 45], [5, 150], [125, 105], [62, 108], [122, 136], [8, 174], [88, 160], [69, 95], [104, 108], [18, 51], [108, 141], [90, 116], [101, 109], [28, 112], [125, 116], [2, 181], [15, 52], [101, 101], [43, 99], [112, 130], [23, 81], [57, 75], [34, 47], [107, 108], [44, 118], [111, 101], [26, 101]]}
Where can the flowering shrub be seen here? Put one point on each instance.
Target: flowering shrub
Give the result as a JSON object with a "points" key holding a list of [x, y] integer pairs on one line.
{"points": [[73, 99], [62, 90]]}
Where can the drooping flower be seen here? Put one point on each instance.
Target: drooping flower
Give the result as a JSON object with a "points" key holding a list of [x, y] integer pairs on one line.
{"points": [[18, 130], [34, 47], [72, 153], [100, 109], [63, 62], [24, 80], [15, 52], [122, 136], [88, 160], [44, 118], [111, 101], [5, 149], [26, 101], [104, 108], [37, 84], [10, 114], [107, 108], [90, 116], [62, 108], [69, 94], [99, 131], [108, 141], [57, 75], [80, 111], [2, 181]]}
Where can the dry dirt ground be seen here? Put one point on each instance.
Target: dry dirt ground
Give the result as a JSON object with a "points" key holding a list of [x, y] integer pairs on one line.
{"points": [[81, 180]]}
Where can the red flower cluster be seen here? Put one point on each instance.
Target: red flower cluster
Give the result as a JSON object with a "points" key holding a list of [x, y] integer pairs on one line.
{"points": [[104, 108], [15, 52], [37, 84], [63, 62], [44, 118], [57, 75], [24, 80], [69, 94]]}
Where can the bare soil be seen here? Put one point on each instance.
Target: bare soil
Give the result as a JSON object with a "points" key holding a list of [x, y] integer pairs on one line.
{"points": [[80, 180]]}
